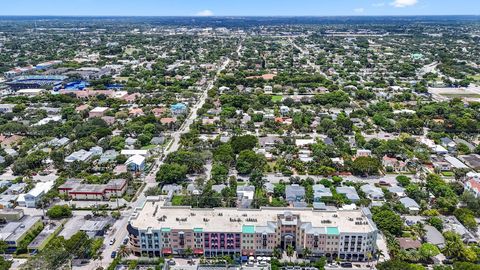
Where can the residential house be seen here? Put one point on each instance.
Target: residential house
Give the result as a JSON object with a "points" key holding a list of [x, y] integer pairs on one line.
{"points": [[473, 185], [245, 195], [6, 108], [172, 189], [59, 142], [407, 243], [136, 163], [394, 164], [108, 156], [98, 112], [33, 196], [397, 191], [320, 191], [294, 193], [178, 108], [284, 110], [448, 143], [411, 205], [80, 155], [373, 192], [433, 236], [349, 192], [363, 153], [168, 120]]}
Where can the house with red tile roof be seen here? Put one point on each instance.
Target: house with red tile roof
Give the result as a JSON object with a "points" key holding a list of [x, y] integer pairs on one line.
{"points": [[168, 120], [158, 112], [135, 112], [473, 186]]}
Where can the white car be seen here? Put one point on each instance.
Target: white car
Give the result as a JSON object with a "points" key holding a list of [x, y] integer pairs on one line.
{"points": [[112, 241]]}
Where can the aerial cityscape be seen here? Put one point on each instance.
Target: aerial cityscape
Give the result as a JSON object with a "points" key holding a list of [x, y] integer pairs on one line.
{"points": [[209, 135]]}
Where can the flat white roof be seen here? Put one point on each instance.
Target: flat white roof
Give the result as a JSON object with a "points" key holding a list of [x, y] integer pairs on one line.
{"points": [[99, 109], [233, 219], [455, 162], [133, 152]]}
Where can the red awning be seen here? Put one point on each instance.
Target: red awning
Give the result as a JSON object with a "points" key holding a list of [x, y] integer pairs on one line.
{"points": [[251, 253], [167, 251], [244, 253], [198, 251]]}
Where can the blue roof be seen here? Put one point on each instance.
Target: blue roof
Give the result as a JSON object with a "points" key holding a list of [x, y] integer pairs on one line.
{"points": [[178, 106]]}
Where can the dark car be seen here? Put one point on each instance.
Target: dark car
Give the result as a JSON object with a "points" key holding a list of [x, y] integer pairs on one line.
{"points": [[114, 254], [346, 265]]}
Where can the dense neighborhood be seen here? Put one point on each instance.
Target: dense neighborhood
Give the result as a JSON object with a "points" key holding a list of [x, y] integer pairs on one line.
{"points": [[161, 143]]}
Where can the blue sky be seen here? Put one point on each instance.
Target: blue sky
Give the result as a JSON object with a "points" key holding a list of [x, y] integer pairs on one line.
{"points": [[239, 7]]}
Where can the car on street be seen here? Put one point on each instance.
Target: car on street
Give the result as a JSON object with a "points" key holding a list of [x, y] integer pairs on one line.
{"points": [[113, 255], [112, 241]]}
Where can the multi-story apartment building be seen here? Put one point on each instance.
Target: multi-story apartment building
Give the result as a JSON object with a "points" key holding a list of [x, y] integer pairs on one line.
{"points": [[156, 230]]}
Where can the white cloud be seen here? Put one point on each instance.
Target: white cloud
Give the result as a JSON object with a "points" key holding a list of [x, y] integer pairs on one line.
{"points": [[359, 10], [404, 3], [381, 4], [205, 13]]}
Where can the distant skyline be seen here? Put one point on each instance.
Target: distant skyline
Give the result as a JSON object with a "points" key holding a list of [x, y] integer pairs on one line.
{"points": [[239, 7]]}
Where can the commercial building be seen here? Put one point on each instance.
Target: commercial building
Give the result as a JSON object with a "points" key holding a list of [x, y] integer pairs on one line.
{"points": [[37, 81], [157, 230], [14, 232], [78, 191]]}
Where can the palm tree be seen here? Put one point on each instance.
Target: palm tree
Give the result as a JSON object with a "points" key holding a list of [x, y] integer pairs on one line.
{"points": [[123, 251], [378, 254], [276, 253], [369, 258], [188, 252], [306, 253], [290, 250], [419, 229], [3, 247]]}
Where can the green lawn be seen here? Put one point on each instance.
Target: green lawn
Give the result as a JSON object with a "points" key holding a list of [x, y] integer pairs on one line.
{"points": [[448, 174], [463, 95], [177, 200], [277, 98], [148, 147], [475, 77]]}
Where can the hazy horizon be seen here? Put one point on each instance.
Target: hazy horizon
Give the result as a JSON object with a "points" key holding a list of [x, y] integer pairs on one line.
{"points": [[235, 8]]}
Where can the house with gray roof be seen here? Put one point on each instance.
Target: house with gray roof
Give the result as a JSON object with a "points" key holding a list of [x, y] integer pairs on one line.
{"points": [[349, 192], [320, 191], [157, 140], [269, 188], [80, 155], [433, 236], [373, 192], [192, 189], [397, 191], [174, 188], [410, 204], [218, 188], [108, 156], [294, 193], [58, 142]]}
